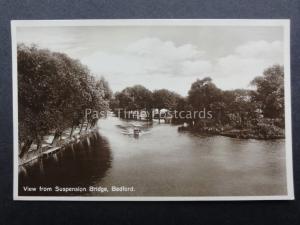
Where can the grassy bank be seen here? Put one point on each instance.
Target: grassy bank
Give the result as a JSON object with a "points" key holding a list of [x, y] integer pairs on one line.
{"points": [[262, 129]]}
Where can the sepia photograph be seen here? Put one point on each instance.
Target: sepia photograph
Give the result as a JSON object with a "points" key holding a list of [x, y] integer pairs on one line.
{"points": [[144, 110]]}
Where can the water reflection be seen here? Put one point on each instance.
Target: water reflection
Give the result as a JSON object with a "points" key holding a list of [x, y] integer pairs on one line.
{"points": [[164, 162], [80, 164]]}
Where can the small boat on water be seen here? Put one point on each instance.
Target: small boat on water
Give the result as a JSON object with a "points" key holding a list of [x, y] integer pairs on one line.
{"points": [[136, 131]]}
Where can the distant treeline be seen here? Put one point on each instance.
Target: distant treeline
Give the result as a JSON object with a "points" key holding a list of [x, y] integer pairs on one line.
{"points": [[238, 108], [53, 93]]}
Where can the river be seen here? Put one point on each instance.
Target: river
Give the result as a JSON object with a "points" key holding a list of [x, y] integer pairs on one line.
{"points": [[164, 162]]}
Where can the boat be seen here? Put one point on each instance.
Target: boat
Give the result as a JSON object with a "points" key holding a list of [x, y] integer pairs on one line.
{"points": [[136, 131]]}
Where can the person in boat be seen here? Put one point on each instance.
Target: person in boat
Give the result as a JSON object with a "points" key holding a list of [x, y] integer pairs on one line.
{"points": [[136, 131]]}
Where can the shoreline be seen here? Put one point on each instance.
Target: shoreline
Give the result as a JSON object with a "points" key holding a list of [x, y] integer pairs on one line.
{"points": [[233, 133], [49, 150]]}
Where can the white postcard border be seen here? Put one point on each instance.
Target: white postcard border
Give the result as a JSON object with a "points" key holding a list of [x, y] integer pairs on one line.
{"points": [[285, 23]]}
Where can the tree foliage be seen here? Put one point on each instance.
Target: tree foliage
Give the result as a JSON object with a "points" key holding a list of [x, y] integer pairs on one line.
{"points": [[241, 104], [203, 94], [270, 91], [53, 92], [165, 99]]}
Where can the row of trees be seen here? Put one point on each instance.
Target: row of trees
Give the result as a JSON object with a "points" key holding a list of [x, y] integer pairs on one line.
{"points": [[53, 92], [239, 106], [138, 98]]}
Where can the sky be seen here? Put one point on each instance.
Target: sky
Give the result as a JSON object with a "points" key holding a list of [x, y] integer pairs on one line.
{"points": [[170, 57]]}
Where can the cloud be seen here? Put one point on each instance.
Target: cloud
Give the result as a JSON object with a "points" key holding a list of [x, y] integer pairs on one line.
{"points": [[196, 67], [153, 62], [246, 62], [148, 58], [156, 48], [261, 49]]}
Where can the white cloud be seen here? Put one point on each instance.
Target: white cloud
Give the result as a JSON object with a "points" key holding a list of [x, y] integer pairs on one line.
{"points": [[246, 62], [156, 48], [152, 62], [147, 61], [196, 67], [260, 49]]}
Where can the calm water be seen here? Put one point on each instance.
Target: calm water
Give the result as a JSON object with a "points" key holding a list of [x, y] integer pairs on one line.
{"points": [[164, 162]]}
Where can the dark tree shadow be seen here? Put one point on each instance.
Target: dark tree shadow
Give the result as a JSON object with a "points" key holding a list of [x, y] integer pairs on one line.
{"points": [[81, 164]]}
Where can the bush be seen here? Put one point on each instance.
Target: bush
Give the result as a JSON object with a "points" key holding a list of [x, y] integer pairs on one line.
{"points": [[265, 130]]}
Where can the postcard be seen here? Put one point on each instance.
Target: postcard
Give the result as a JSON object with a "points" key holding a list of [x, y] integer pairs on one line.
{"points": [[152, 110]]}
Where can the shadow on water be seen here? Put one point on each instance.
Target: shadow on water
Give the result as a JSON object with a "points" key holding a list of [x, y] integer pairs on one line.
{"points": [[81, 164]]}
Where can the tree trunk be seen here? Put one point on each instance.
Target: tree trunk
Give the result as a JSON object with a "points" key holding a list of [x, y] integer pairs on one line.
{"points": [[81, 127], [71, 132], [39, 143], [219, 117], [149, 115], [56, 136], [87, 125], [25, 148], [93, 122], [158, 115]]}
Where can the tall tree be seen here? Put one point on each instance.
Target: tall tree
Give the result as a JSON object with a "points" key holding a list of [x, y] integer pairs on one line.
{"points": [[270, 91], [205, 95], [165, 99], [53, 90], [135, 98]]}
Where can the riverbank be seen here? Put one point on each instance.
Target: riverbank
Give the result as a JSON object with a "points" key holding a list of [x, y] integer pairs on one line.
{"points": [[49, 149], [263, 129], [259, 132]]}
